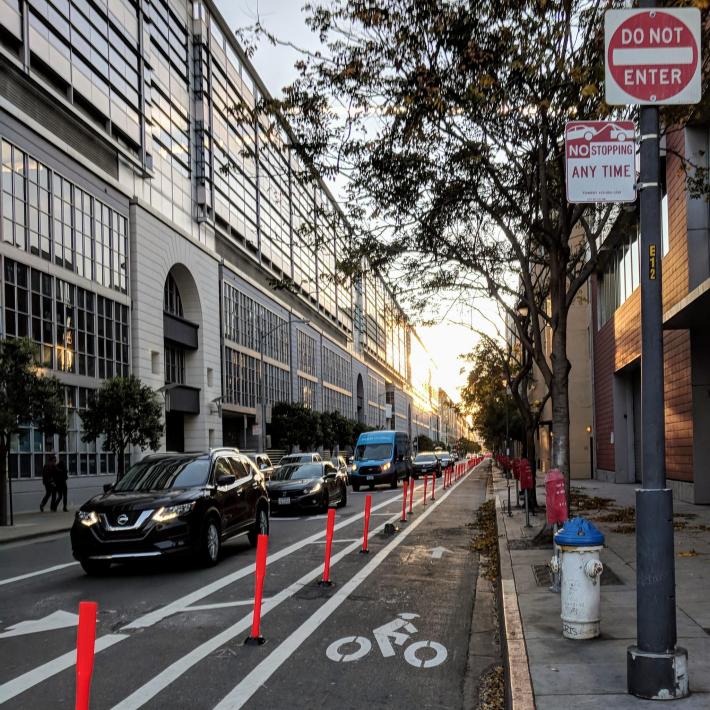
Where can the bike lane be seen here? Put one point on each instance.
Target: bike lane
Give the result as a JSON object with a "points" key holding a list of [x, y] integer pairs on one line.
{"points": [[397, 639]]}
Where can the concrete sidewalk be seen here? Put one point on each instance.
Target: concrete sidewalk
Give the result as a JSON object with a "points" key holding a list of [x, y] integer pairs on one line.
{"points": [[30, 525], [590, 674]]}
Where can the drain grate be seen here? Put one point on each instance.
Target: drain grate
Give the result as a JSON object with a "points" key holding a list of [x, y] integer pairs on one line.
{"points": [[543, 578]]}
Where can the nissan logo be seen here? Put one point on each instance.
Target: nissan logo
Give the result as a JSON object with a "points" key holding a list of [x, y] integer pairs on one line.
{"points": [[122, 519]]}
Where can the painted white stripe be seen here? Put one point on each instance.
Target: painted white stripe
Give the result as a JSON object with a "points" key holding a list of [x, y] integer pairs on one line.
{"points": [[652, 56], [12, 688], [220, 605], [37, 675], [157, 684], [47, 570], [254, 680]]}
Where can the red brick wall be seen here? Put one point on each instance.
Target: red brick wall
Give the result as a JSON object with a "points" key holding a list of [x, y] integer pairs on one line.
{"points": [[618, 343]]}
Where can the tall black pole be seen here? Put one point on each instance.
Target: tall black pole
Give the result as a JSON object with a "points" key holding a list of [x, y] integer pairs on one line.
{"points": [[656, 668]]}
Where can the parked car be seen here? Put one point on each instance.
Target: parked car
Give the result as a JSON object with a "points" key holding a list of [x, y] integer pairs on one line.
{"points": [[444, 459], [300, 458], [263, 463], [317, 484], [381, 457], [342, 466], [426, 463], [172, 503]]}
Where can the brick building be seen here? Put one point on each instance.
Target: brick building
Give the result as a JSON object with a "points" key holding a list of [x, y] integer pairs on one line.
{"points": [[617, 338]]}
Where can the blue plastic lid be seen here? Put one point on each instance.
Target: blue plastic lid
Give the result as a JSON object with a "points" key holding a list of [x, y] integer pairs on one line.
{"points": [[579, 532]]}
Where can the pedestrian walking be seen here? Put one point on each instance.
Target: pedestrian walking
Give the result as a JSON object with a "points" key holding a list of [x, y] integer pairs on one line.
{"points": [[60, 479], [49, 481]]}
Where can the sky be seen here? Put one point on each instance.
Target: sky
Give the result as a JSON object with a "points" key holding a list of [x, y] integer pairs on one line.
{"points": [[283, 18]]}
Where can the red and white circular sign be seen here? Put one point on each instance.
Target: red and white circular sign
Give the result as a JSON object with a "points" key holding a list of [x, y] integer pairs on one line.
{"points": [[652, 56]]}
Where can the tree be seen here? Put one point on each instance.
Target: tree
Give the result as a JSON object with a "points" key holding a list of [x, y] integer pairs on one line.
{"points": [[27, 396], [295, 424], [424, 443], [126, 413], [448, 119], [487, 398]]}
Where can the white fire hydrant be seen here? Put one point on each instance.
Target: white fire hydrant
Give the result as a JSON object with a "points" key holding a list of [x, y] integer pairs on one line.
{"points": [[579, 544]]}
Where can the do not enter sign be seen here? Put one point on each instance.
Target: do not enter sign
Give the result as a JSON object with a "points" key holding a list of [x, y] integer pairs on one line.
{"points": [[652, 56]]}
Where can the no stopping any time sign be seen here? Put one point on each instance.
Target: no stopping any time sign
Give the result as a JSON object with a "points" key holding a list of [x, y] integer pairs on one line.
{"points": [[652, 56]]}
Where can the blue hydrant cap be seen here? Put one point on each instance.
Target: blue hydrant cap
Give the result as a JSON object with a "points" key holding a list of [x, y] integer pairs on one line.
{"points": [[579, 532]]}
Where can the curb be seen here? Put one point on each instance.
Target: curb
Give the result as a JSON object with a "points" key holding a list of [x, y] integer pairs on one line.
{"points": [[33, 536], [515, 653]]}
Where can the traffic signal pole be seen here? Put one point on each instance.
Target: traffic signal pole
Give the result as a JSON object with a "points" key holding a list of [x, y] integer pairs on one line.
{"points": [[656, 667]]}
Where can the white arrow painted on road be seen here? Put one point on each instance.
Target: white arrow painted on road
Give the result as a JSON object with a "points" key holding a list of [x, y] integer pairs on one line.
{"points": [[56, 620], [437, 552]]}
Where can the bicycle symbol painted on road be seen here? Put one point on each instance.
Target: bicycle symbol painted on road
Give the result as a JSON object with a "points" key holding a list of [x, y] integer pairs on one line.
{"points": [[420, 654]]}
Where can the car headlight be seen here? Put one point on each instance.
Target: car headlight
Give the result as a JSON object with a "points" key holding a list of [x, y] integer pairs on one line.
{"points": [[163, 515], [312, 489], [353, 467], [87, 517], [387, 466]]}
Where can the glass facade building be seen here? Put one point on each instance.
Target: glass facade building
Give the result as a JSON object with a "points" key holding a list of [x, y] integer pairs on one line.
{"points": [[146, 212]]}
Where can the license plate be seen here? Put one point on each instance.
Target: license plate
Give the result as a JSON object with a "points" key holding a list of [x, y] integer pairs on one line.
{"points": [[370, 478], [284, 501]]}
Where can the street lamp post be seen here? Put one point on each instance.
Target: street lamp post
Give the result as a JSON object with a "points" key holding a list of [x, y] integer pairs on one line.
{"points": [[656, 667], [262, 376]]}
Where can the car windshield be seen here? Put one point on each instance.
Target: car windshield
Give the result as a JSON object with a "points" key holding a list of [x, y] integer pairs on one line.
{"points": [[293, 472], [373, 451], [165, 473], [295, 458], [425, 458]]}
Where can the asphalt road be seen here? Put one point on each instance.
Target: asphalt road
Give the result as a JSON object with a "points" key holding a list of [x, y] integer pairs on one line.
{"points": [[393, 631]]}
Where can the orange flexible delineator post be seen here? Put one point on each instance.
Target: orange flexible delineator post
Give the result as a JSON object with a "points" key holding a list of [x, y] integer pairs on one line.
{"points": [[411, 494], [403, 519], [426, 479], [326, 581], [368, 506], [262, 544], [85, 640]]}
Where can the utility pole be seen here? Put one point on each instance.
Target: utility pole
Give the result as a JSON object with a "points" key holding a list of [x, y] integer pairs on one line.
{"points": [[656, 667]]}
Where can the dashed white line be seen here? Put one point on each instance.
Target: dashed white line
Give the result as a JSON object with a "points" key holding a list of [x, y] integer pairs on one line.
{"points": [[38, 572]]}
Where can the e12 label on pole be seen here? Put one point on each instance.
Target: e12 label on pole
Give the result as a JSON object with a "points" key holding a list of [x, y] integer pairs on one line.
{"points": [[652, 262]]}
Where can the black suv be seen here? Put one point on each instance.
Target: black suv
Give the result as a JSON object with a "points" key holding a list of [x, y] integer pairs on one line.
{"points": [[171, 503]]}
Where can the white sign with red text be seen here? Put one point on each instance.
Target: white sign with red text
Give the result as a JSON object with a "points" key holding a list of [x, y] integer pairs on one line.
{"points": [[652, 56], [600, 161]]}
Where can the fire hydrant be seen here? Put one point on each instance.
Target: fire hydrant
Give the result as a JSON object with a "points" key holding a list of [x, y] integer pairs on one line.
{"points": [[579, 543]]}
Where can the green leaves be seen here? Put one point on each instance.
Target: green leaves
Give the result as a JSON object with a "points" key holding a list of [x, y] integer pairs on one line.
{"points": [[127, 413]]}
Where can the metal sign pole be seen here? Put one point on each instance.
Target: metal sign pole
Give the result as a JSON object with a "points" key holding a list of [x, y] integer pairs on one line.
{"points": [[655, 667]]}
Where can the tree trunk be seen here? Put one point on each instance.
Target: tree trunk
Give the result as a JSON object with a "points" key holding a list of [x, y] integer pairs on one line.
{"points": [[559, 394], [121, 464], [530, 454], [4, 517]]}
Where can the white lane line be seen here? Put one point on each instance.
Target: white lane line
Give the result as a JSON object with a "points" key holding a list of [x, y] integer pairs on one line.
{"points": [[345, 539], [255, 679], [221, 605], [36, 675], [10, 689], [170, 674], [47, 570]]}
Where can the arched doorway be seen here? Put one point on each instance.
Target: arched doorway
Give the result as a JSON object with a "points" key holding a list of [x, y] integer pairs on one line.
{"points": [[181, 322], [360, 400]]}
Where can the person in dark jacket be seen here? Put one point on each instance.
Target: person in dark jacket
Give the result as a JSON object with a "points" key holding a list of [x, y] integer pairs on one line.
{"points": [[49, 480], [60, 482]]}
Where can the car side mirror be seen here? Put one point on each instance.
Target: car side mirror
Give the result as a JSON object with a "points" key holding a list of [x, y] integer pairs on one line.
{"points": [[226, 480], [331, 474], [263, 466], [107, 487]]}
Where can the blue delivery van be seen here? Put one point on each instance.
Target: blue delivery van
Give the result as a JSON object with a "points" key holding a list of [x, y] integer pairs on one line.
{"points": [[381, 457]]}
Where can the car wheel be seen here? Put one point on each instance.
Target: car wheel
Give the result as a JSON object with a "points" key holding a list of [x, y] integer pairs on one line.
{"points": [[325, 503], [95, 568], [356, 487], [343, 497], [210, 543], [260, 527]]}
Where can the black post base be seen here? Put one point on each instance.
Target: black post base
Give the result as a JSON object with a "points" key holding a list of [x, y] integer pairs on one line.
{"points": [[364, 552], [657, 676], [325, 583], [255, 641]]}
